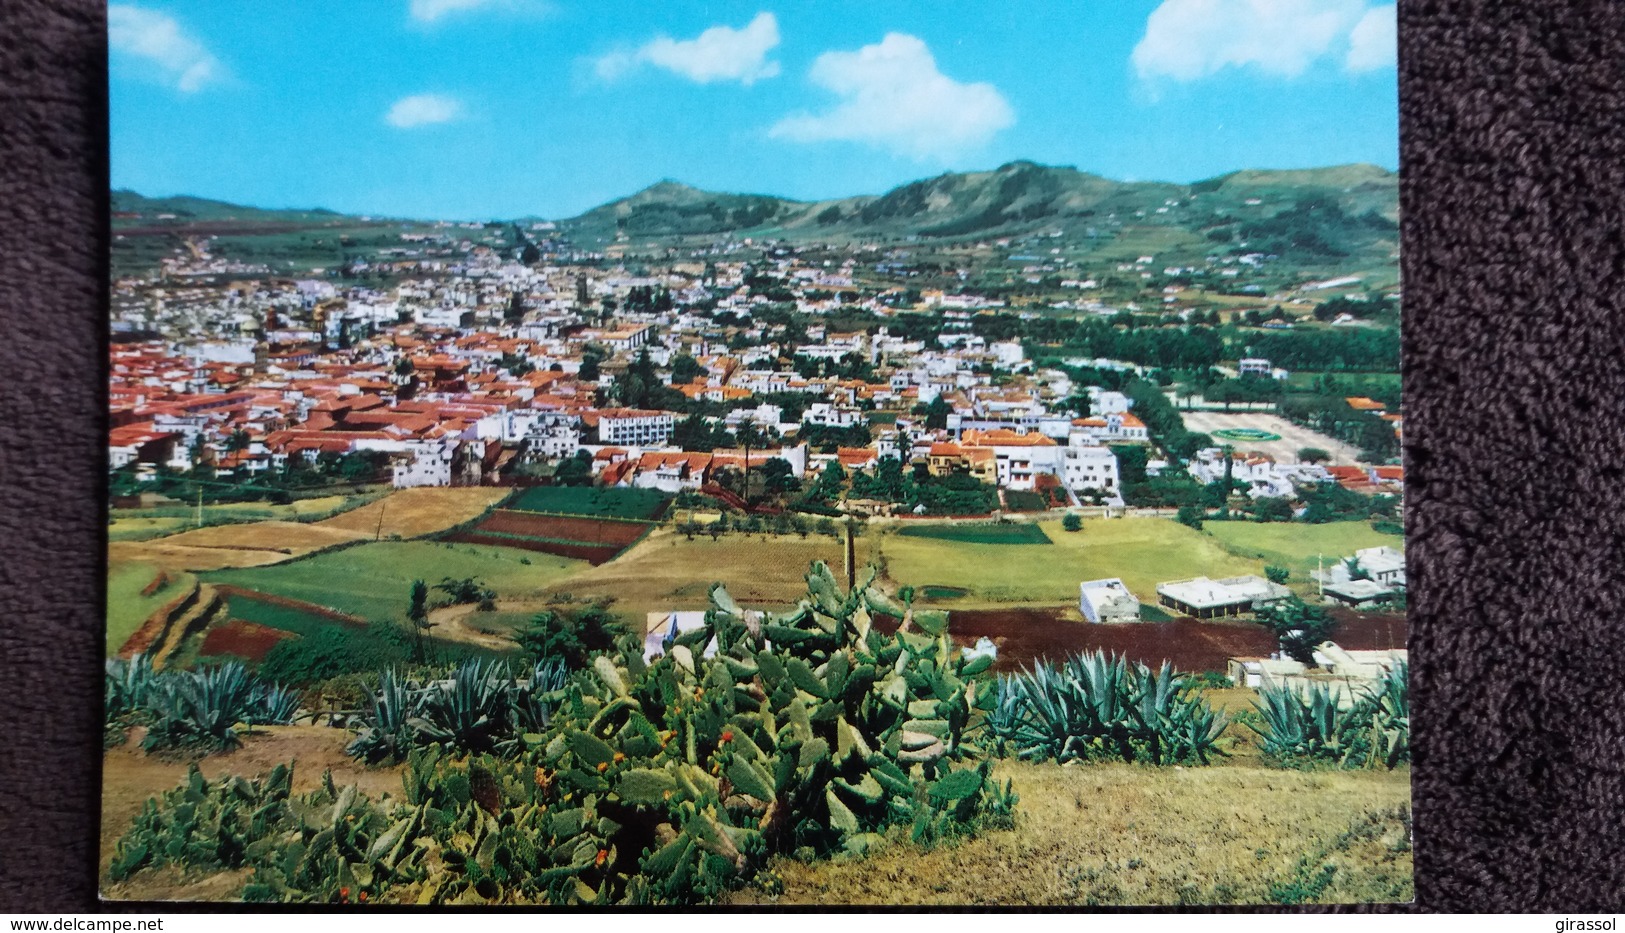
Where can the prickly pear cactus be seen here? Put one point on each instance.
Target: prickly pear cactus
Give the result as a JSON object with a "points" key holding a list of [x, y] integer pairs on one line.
{"points": [[671, 781]]}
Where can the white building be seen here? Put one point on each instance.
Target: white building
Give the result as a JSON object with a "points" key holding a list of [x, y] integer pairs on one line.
{"points": [[1107, 602], [1203, 598], [1091, 468], [632, 427]]}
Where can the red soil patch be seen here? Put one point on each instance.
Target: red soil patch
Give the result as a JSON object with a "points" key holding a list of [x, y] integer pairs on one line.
{"points": [[1025, 635], [247, 640], [583, 530], [592, 553]]}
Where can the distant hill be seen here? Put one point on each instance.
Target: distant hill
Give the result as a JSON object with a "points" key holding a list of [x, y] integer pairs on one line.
{"points": [[131, 207], [1016, 198]]}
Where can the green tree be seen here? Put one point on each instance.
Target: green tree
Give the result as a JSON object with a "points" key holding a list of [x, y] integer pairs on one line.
{"points": [[1298, 626], [1276, 574], [1072, 522], [589, 367], [1313, 455], [1190, 516], [685, 369]]}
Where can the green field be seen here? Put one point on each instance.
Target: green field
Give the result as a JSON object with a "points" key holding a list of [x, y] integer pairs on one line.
{"points": [[270, 615], [590, 501], [374, 580], [127, 608], [1297, 546], [1012, 533], [1141, 551]]}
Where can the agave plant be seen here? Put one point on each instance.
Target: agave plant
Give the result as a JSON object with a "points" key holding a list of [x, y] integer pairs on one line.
{"points": [[1387, 711], [1094, 705], [470, 712], [532, 710], [128, 685], [273, 704], [389, 732], [1305, 723], [201, 707]]}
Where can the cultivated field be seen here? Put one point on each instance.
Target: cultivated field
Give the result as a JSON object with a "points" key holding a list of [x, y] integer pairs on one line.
{"points": [[577, 537], [1141, 551], [591, 500], [667, 571], [1296, 546], [1285, 450], [373, 581], [142, 524], [409, 513], [412, 513]]}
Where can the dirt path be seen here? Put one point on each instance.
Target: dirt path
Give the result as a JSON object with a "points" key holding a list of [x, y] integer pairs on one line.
{"points": [[450, 623]]}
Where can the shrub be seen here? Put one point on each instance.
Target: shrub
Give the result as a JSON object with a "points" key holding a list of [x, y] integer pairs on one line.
{"points": [[1072, 522]]}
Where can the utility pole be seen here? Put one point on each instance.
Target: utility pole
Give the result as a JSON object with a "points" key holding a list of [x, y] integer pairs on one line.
{"points": [[1320, 574], [379, 534], [200, 506], [851, 554]]}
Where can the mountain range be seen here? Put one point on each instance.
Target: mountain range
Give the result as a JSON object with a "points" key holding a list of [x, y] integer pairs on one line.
{"points": [[1357, 209]]}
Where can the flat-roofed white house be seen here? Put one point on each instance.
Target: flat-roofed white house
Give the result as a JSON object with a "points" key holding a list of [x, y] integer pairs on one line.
{"points": [[1107, 601], [1203, 598]]}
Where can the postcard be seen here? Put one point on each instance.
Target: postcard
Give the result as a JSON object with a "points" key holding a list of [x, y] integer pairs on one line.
{"points": [[711, 453]]}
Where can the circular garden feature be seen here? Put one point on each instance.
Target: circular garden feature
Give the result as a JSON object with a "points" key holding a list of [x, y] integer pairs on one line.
{"points": [[1245, 435]]}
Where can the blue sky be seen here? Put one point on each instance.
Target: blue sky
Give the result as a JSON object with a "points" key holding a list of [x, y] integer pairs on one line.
{"points": [[480, 109]]}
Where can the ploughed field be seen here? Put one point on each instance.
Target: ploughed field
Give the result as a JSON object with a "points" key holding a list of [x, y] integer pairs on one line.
{"points": [[594, 540], [580, 523], [1024, 635]]}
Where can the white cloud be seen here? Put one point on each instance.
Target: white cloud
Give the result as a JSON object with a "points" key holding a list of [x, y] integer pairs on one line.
{"points": [[893, 97], [157, 38], [720, 53], [429, 11], [423, 110], [1374, 43], [1189, 39]]}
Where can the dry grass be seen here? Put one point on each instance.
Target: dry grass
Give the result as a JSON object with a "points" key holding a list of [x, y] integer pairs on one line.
{"points": [[666, 571], [412, 513], [1124, 834]]}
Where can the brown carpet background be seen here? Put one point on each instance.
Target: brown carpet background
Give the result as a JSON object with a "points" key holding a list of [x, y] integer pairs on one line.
{"points": [[1513, 128]]}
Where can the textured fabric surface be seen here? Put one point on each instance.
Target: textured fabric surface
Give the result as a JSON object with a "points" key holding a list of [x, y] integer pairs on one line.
{"points": [[1514, 172]]}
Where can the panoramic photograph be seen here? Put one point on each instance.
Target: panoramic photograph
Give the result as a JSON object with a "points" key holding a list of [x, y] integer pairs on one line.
{"points": [[714, 453]]}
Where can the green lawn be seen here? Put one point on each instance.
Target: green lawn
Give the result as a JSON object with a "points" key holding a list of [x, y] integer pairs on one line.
{"points": [[590, 501], [1141, 551], [374, 580], [979, 534], [1294, 545], [127, 608]]}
